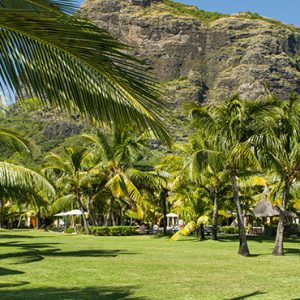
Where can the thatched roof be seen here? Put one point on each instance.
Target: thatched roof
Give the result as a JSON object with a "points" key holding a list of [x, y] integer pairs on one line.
{"points": [[264, 208], [290, 214]]}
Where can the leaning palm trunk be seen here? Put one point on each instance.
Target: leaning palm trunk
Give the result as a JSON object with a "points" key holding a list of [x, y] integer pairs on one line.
{"points": [[243, 248], [85, 223], [214, 233], [278, 247]]}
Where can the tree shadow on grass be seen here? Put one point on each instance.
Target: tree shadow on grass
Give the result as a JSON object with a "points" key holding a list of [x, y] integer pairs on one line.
{"points": [[247, 295], [39, 251], [4, 272], [291, 251], [15, 236], [9, 285], [88, 293]]}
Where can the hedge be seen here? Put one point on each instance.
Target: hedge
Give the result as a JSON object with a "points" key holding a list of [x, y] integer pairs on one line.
{"points": [[229, 229], [113, 230]]}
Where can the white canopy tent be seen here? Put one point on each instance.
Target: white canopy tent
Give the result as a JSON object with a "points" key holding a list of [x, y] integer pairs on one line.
{"points": [[73, 212]]}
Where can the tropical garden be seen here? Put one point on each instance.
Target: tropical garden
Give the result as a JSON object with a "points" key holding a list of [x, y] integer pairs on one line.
{"points": [[122, 170]]}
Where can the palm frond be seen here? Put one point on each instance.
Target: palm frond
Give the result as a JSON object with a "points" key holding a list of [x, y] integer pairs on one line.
{"points": [[12, 176], [72, 64], [117, 186], [13, 141], [62, 203]]}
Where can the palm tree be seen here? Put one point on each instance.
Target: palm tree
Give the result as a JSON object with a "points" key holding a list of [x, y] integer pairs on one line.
{"points": [[279, 149], [209, 178], [69, 172], [154, 185], [115, 158], [17, 182], [229, 126], [66, 62]]}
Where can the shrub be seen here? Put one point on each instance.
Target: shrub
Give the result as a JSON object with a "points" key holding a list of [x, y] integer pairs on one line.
{"points": [[229, 229], [69, 230], [113, 230]]}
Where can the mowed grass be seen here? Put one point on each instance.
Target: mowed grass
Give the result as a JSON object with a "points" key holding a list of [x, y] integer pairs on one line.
{"points": [[41, 265]]}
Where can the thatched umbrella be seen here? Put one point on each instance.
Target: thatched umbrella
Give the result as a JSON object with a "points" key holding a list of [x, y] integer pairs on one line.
{"points": [[264, 209]]}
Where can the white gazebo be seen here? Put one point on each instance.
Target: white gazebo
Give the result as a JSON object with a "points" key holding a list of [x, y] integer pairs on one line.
{"points": [[172, 220]]}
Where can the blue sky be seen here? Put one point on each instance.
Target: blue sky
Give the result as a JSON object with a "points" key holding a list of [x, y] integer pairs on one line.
{"points": [[287, 11]]}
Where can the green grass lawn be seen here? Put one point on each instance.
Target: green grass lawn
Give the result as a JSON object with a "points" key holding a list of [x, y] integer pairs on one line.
{"points": [[40, 265]]}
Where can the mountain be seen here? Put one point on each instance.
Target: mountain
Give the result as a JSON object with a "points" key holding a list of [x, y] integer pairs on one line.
{"points": [[204, 56]]}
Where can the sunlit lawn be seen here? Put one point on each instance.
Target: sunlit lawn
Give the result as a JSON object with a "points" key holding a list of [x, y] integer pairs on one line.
{"points": [[40, 265]]}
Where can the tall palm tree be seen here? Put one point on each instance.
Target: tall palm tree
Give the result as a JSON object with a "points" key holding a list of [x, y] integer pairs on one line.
{"points": [[229, 126], [46, 51], [69, 172], [279, 149], [154, 186], [114, 158], [209, 178]]}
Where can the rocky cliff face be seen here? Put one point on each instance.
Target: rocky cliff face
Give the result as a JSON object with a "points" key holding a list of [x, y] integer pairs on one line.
{"points": [[203, 56]]}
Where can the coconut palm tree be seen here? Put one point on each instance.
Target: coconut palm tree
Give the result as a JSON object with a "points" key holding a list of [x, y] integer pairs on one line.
{"points": [[17, 182], [154, 185], [229, 126], [69, 172], [115, 158], [279, 150], [46, 51], [209, 178]]}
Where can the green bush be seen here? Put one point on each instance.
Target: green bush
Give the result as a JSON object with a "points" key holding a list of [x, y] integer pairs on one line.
{"points": [[229, 229], [113, 230], [69, 230]]}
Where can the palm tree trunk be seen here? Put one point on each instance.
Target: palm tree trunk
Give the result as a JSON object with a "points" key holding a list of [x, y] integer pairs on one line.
{"points": [[38, 218], [243, 248], [201, 232], [90, 213], [278, 247], [85, 223], [110, 221], [214, 233], [19, 222], [163, 201], [1, 213]]}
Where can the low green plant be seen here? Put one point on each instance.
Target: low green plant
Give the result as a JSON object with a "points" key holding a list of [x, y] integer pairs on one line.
{"points": [[113, 230], [229, 229], [70, 230]]}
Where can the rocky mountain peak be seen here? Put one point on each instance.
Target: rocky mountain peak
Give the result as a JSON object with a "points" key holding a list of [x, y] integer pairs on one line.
{"points": [[205, 56]]}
